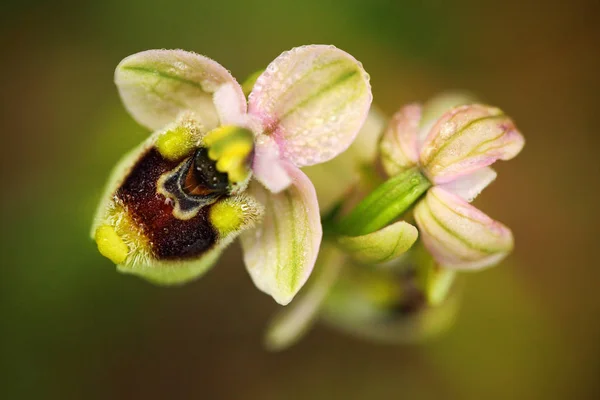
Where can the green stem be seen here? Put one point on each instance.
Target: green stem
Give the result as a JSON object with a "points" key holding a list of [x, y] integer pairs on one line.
{"points": [[385, 204]]}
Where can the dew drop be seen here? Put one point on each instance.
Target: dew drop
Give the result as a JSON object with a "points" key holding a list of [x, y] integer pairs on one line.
{"points": [[447, 130]]}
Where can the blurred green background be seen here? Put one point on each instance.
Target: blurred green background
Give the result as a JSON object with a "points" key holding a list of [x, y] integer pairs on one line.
{"points": [[71, 327]]}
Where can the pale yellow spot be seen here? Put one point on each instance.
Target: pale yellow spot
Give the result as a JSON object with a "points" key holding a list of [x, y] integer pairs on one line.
{"points": [[226, 217], [228, 163], [110, 244], [175, 143], [230, 147], [219, 133], [238, 174]]}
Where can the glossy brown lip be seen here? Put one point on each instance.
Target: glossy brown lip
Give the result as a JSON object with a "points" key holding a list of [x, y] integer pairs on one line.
{"points": [[192, 186], [203, 172]]}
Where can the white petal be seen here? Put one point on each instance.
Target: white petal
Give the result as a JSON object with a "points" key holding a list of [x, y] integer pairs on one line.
{"points": [[280, 253], [227, 101], [469, 186], [268, 167], [156, 85], [313, 100]]}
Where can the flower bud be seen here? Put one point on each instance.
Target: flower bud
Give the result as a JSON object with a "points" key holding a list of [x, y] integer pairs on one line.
{"points": [[386, 306]]}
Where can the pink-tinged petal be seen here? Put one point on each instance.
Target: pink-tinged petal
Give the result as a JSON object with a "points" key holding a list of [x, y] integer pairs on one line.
{"points": [[457, 234], [280, 253], [231, 110], [466, 139], [399, 144], [469, 186], [435, 107], [313, 100], [293, 321], [268, 167], [156, 85]]}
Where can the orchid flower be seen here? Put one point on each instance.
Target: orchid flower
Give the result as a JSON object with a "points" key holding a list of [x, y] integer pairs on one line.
{"points": [[447, 158], [454, 153], [173, 204]]}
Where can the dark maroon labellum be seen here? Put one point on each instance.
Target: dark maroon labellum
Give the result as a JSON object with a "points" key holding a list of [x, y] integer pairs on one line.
{"points": [[169, 237]]}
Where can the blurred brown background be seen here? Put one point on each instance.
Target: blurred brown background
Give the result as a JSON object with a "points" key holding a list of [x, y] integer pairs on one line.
{"points": [[71, 327]]}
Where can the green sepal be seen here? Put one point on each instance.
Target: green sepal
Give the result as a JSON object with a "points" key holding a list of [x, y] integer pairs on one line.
{"points": [[250, 81], [380, 246], [386, 203]]}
